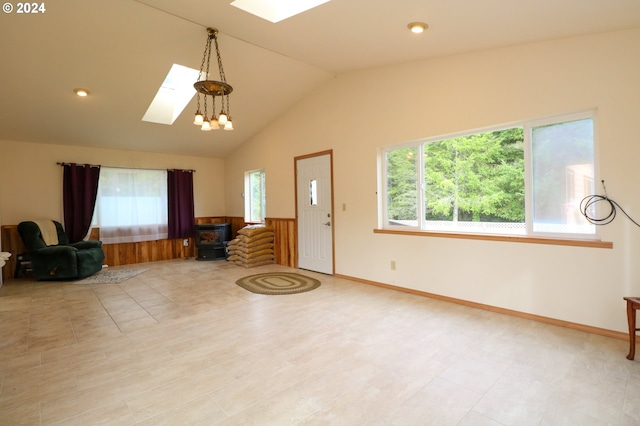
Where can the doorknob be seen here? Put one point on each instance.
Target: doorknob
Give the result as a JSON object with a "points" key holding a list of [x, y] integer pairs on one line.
{"points": [[327, 224]]}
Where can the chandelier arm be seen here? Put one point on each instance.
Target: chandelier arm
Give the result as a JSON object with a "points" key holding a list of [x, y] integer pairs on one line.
{"points": [[206, 116]]}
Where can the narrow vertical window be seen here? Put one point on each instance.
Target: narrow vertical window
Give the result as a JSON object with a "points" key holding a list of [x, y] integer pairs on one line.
{"points": [[255, 198]]}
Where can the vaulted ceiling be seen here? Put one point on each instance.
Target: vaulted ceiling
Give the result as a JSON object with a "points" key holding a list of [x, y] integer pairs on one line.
{"points": [[121, 51]]}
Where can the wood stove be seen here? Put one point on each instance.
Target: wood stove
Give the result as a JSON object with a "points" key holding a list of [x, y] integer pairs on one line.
{"points": [[211, 240]]}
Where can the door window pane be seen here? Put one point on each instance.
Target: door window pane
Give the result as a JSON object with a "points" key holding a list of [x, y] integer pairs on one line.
{"points": [[313, 192]]}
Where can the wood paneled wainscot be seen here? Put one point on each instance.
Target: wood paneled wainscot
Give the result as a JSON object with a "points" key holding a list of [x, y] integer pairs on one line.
{"points": [[146, 251], [151, 251], [285, 245]]}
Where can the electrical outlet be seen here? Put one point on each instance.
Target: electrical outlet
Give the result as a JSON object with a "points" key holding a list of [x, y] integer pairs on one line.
{"points": [[393, 265], [185, 242]]}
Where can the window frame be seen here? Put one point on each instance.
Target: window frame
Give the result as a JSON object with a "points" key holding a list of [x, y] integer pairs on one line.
{"points": [[248, 196], [132, 233], [528, 126]]}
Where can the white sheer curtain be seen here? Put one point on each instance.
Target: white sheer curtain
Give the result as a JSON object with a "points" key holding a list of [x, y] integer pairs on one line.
{"points": [[131, 205]]}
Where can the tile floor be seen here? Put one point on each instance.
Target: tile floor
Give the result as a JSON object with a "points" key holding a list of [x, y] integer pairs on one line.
{"points": [[181, 344]]}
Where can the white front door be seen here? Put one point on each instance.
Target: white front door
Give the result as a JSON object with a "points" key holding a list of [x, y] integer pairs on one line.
{"points": [[315, 213]]}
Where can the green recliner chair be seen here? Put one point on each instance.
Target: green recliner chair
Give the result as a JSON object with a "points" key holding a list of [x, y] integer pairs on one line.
{"points": [[62, 261]]}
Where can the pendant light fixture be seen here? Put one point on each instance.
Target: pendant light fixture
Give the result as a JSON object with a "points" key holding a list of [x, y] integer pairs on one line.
{"points": [[212, 88]]}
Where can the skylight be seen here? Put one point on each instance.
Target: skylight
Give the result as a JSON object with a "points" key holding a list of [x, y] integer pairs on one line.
{"points": [[173, 96], [276, 10]]}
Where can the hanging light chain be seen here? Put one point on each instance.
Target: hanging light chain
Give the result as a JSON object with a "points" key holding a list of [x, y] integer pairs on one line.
{"points": [[222, 76], [205, 56]]}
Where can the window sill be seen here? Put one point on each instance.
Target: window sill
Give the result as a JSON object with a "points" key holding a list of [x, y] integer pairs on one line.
{"points": [[504, 238]]}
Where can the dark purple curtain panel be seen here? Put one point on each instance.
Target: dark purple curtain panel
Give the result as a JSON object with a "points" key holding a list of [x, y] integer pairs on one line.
{"points": [[180, 199], [79, 192]]}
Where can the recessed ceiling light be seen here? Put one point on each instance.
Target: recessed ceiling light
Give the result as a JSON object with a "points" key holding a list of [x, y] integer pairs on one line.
{"points": [[81, 92], [417, 27]]}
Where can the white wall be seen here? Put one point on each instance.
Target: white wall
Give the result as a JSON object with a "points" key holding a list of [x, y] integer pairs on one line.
{"points": [[31, 182], [357, 113]]}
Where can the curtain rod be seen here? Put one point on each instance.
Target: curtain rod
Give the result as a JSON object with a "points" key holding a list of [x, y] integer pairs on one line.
{"points": [[118, 167]]}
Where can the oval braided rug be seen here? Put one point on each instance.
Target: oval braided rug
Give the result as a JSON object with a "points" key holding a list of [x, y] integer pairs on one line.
{"points": [[278, 283]]}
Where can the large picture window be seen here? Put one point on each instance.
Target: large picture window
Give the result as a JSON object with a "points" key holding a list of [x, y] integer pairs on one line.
{"points": [[526, 179], [131, 205]]}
